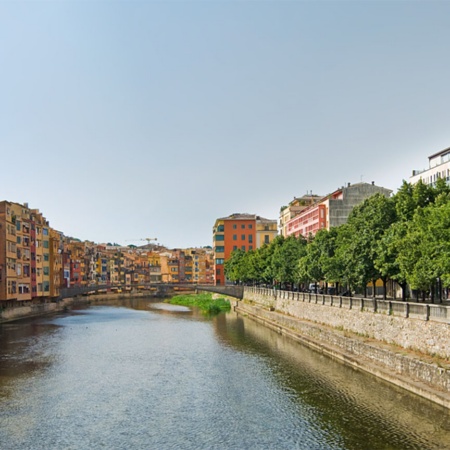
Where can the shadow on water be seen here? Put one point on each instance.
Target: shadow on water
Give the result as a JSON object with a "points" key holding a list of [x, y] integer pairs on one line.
{"points": [[367, 412], [351, 409]]}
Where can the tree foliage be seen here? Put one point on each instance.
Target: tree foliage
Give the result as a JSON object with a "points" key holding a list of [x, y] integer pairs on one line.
{"points": [[405, 238]]}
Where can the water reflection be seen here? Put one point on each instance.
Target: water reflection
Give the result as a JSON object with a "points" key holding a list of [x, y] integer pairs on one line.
{"points": [[357, 404], [140, 374]]}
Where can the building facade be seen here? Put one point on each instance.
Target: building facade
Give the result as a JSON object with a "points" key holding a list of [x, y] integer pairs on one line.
{"points": [[239, 231], [293, 209], [438, 167], [332, 210], [30, 261]]}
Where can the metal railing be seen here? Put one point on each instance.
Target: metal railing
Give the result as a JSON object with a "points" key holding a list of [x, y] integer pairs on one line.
{"points": [[412, 310]]}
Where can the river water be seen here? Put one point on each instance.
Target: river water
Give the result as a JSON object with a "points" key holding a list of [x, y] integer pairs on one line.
{"points": [[140, 374]]}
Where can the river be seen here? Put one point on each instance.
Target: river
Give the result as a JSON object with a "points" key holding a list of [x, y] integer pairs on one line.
{"points": [[140, 374]]}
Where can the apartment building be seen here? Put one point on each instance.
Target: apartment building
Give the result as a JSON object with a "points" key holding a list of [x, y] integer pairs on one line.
{"points": [[293, 208], [332, 210], [30, 266], [438, 167], [154, 266], [239, 231], [55, 262], [202, 264], [75, 254]]}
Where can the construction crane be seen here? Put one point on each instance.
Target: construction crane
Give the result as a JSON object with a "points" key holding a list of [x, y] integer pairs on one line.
{"points": [[142, 239]]}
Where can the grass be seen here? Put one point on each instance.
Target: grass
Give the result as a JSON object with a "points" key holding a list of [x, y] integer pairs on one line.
{"points": [[205, 302]]}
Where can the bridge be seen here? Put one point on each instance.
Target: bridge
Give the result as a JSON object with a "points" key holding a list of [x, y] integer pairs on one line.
{"points": [[230, 291], [157, 289]]}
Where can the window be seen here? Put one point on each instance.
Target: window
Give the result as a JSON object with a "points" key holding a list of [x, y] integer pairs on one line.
{"points": [[234, 226], [46, 270], [217, 271], [243, 248], [250, 226], [24, 288], [46, 257], [250, 238], [219, 249], [234, 247], [219, 261], [45, 244], [45, 231], [234, 237], [250, 247], [243, 237], [266, 239], [219, 237], [243, 226]]}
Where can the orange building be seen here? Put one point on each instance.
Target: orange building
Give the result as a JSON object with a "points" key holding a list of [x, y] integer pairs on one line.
{"points": [[239, 231]]}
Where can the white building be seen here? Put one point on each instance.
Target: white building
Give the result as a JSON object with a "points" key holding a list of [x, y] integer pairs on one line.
{"points": [[439, 167]]}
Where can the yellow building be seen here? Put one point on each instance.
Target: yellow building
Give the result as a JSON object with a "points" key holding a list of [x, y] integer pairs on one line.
{"points": [[55, 262], [39, 222], [8, 254]]}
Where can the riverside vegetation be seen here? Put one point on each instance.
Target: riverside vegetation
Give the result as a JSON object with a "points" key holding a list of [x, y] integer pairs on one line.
{"points": [[205, 302]]}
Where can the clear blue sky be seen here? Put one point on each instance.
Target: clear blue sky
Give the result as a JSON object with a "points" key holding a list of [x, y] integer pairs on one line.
{"points": [[124, 120]]}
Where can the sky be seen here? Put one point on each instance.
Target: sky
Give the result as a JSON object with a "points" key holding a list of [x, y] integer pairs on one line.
{"points": [[126, 120]]}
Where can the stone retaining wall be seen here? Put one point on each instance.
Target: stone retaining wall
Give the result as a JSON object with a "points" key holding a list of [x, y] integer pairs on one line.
{"points": [[28, 311], [413, 332]]}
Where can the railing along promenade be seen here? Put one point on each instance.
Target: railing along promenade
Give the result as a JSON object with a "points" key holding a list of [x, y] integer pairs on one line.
{"points": [[412, 310]]}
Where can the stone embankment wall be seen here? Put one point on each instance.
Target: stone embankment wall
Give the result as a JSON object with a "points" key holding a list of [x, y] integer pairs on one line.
{"points": [[429, 335], [329, 329], [22, 312], [28, 311]]}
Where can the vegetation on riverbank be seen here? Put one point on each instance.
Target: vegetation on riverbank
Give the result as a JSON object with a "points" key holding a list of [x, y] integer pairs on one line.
{"points": [[204, 301]]}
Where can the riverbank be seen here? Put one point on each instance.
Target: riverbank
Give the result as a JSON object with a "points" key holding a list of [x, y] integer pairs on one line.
{"points": [[414, 371], [43, 309]]}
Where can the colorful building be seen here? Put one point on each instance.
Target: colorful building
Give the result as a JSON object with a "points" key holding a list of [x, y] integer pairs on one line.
{"points": [[27, 272], [293, 209], [239, 231], [332, 210]]}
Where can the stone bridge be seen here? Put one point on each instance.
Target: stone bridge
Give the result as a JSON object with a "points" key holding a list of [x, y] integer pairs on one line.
{"points": [[158, 289], [230, 291]]}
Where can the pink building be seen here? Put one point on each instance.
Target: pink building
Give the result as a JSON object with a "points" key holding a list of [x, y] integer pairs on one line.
{"points": [[332, 210]]}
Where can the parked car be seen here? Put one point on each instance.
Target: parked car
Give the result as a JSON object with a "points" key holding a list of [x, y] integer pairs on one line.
{"points": [[315, 288]]}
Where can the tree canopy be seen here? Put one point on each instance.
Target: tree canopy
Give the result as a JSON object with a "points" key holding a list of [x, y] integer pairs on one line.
{"points": [[405, 238]]}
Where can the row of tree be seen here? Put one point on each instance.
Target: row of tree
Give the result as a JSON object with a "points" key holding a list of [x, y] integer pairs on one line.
{"points": [[405, 238]]}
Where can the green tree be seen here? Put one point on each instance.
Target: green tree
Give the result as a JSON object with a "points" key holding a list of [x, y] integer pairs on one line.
{"points": [[366, 226], [233, 266], [285, 259], [425, 249]]}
